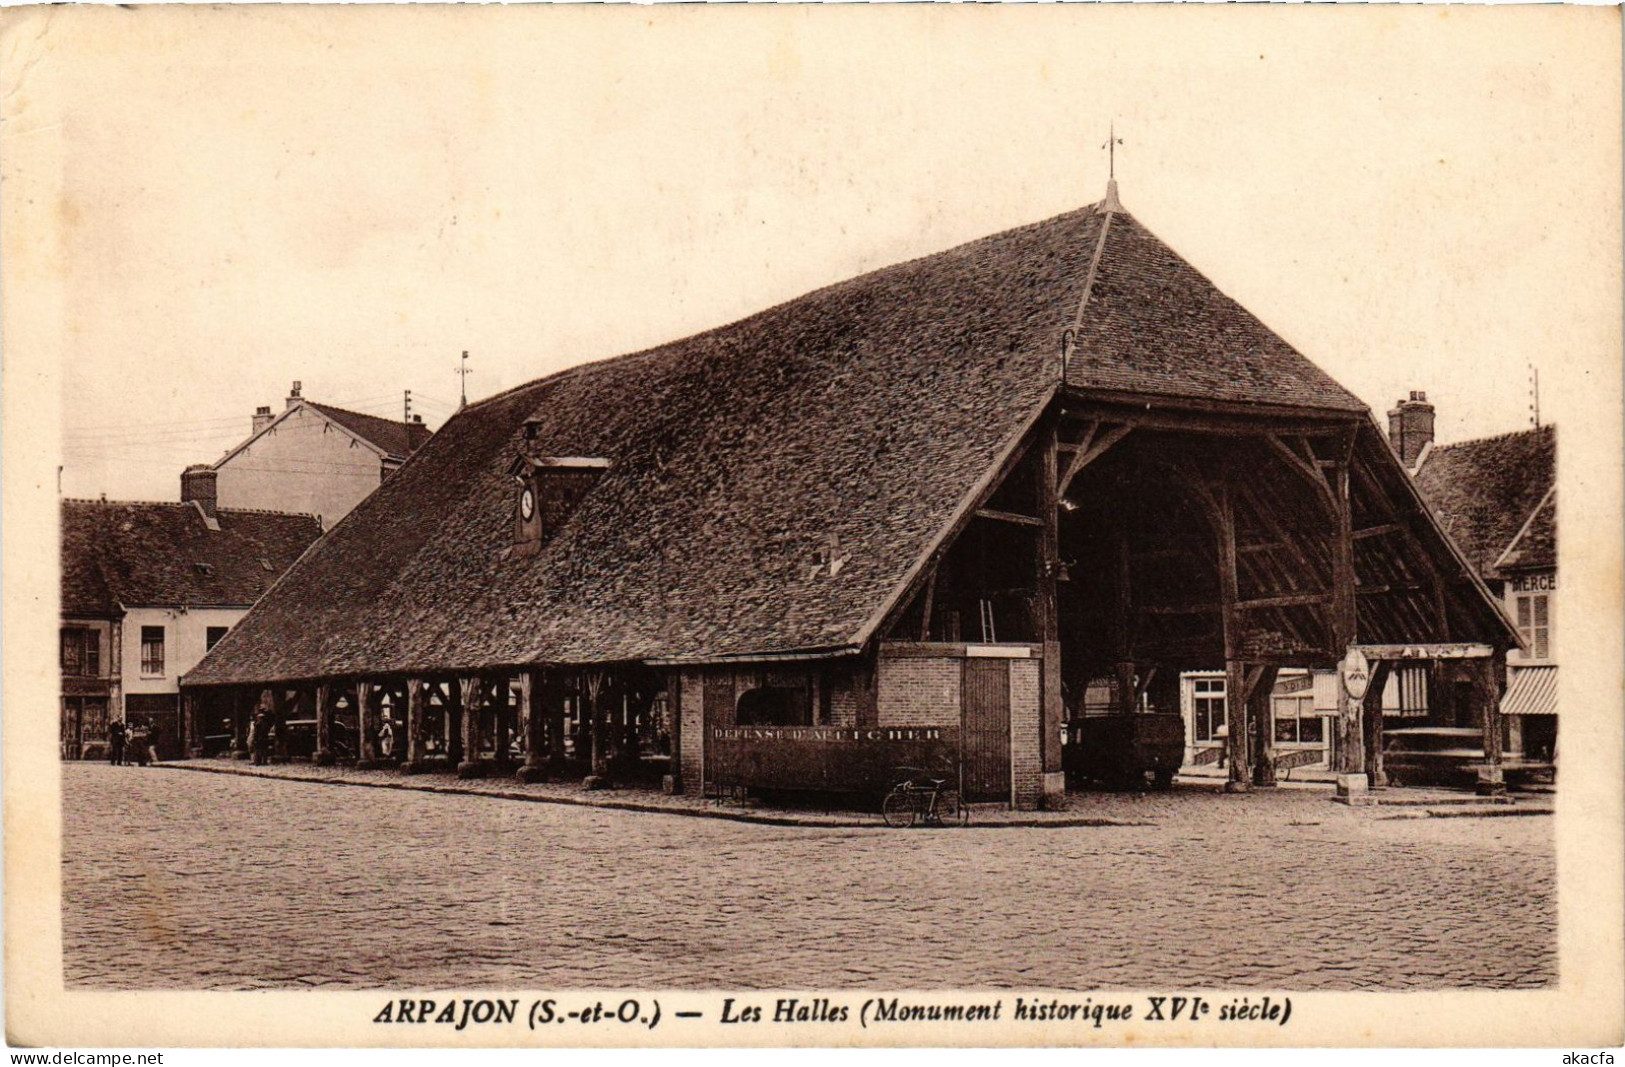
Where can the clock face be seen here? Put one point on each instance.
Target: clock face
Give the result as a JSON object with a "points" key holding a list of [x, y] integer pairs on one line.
{"points": [[527, 504]]}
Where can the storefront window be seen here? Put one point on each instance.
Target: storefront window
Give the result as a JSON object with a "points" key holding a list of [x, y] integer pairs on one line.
{"points": [[1534, 624], [1296, 720], [1208, 707]]}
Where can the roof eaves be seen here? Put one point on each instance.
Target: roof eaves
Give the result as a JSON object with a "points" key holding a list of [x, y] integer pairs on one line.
{"points": [[1500, 609], [334, 420], [1503, 559]]}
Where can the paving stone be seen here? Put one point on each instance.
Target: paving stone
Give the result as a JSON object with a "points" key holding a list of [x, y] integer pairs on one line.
{"points": [[210, 881]]}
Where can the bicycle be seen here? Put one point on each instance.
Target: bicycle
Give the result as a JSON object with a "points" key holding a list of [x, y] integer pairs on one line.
{"points": [[919, 797]]}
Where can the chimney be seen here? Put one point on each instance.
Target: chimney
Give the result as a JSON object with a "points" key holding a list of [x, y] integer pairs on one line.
{"points": [[198, 487], [293, 394], [262, 418], [1410, 427]]}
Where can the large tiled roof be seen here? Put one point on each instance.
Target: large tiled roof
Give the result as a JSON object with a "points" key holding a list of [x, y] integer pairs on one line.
{"points": [[396, 438], [860, 414], [1486, 492], [121, 553]]}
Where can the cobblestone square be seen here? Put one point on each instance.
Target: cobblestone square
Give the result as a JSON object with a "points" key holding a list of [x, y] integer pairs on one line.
{"points": [[176, 880]]}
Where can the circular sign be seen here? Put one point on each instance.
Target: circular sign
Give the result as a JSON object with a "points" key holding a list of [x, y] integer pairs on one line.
{"points": [[1356, 673], [527, 504]]}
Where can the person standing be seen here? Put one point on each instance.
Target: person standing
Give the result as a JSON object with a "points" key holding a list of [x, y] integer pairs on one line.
{"points": [[138, 745], [115, 742], [259, 738]]}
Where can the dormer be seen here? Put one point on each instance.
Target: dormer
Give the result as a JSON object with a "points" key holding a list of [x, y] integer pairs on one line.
{"points": [[547, 491]]}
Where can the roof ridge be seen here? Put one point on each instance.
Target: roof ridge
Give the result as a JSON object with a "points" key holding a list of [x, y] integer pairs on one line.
{"points": [[566, 372], [186, 504], [142, 503], [1528, 431], [270, 511]]}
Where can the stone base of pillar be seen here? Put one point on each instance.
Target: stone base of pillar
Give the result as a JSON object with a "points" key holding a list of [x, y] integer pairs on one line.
{"points": [[415, 767], [240, 754], [1054, 791], [1353, 790], [1238, 787], [531, 774], [322, 758], [471, 770], [595, 781], [670, 786], [1379, 780], [1491, 782], [367, 765]]}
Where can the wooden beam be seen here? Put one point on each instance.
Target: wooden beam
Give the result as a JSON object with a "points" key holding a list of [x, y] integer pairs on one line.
{"points": [[1398, 587], [1345, 619], [1009, 516], [928, 600], [1261, 709], [1310, 471], [1047, 566], [1097, 448], [1428, 650], [1178, 609], [415, 705], [1285, 601], [1235, 675], [1377, 776], [1378, 530], [1196, 416]]}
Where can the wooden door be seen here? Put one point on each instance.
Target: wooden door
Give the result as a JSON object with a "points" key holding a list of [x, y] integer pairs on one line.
{"points": [[985, 735]]}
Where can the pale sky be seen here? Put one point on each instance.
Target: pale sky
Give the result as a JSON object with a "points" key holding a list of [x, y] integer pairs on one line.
{"points": [[1414, 198]]}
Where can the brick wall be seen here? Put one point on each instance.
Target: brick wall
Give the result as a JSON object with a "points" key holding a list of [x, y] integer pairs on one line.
{"points": [[843, 698], [920, 692], [691, 753], [1026, 714]]}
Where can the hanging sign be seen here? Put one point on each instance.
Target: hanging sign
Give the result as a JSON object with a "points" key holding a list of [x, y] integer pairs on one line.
{"points": [[1356, 672]]}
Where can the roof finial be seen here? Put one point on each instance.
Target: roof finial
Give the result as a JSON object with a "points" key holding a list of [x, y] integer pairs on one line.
{"points": [[463, 373], [1112, 141]]}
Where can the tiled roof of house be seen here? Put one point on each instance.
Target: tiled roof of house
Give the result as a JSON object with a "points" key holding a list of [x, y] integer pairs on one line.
{"points": [[863, 412], [1487, 492], [155, 554], [394, 437]]}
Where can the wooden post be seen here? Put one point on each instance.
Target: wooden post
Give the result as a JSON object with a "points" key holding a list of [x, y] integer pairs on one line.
{"points": [[1487, 688], [323, 756], [505, 707], [279, 718], [413, 762], [1380, 673], [453, 721], [594, 685], [470, 766], [1345, 620], [1235, 681], [532, 692], [1261, 701], [366, 722], [241, 712], [553, 701], [192, 724], [1053, 787]]}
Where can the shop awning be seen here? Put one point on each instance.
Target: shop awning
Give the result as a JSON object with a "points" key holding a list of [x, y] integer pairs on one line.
{"points": [[1532, 691]]}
